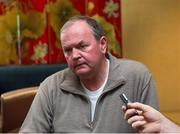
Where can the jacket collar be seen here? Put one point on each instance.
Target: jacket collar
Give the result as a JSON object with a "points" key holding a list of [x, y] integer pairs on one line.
{"points": [[115, 79]]}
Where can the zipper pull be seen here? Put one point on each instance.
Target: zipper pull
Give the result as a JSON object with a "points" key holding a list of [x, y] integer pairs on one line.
{"points": [[91, 125]]}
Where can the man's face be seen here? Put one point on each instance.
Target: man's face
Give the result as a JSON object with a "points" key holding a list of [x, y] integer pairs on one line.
{"points": [[83, 53]]}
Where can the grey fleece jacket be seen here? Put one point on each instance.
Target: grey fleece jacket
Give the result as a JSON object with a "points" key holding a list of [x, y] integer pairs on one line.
{"points": [[61, 105]]}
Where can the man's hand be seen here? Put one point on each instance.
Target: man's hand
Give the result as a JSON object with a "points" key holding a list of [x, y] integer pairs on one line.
{"points": [[147, 120]]}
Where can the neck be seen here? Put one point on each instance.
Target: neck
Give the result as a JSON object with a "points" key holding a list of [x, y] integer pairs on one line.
{"points": [[95, 82]]}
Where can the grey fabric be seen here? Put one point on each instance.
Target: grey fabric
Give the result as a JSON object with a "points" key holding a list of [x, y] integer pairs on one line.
{"points": [[61, 105]]}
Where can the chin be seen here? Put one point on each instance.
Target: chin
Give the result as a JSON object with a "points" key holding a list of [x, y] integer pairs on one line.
{"points": [[83, 75]]}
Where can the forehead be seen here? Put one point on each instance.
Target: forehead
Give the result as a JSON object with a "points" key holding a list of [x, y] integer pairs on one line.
{"points": [[78, 30], [78, 26]]}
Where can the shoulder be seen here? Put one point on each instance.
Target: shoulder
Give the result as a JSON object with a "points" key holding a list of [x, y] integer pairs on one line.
{"points": [[132, 65], [130, 69], [126, 65], [54, 81]]}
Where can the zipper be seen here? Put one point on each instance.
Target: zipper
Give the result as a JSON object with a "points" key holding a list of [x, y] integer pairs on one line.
{"points": [[92, 123], [89, 102]]}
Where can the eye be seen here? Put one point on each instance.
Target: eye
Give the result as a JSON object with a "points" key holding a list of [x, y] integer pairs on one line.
{"points": [[67, 51], [83, 46]]}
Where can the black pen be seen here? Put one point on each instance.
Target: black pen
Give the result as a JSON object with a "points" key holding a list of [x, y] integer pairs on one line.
{"points": [[126, 101]]}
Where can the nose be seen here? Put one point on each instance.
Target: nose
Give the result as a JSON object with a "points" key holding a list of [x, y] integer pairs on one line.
{"points": [[75, 54]]}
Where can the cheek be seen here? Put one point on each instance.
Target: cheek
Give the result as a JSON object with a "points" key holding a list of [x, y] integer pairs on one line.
{"points": [[70, 65], [93, 57], [68, 61]]}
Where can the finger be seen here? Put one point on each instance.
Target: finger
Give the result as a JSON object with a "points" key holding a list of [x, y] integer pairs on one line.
{"points": [[135, 118], [129, 113], [140, 112], [124, 108], [139, 106], [138, 124]]}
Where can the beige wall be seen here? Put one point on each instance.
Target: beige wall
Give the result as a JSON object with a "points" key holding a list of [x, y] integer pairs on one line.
{"points": [[151, 34]]}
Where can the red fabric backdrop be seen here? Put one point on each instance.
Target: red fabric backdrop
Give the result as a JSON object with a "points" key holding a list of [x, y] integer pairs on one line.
{"points": [[40, 22]]}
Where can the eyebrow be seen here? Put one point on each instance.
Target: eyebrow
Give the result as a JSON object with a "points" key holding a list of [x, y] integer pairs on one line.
{"points": [[78, 44], [81, 42]]}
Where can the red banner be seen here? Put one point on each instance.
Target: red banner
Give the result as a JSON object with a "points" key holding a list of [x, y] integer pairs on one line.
{"points": [[32, 37]]}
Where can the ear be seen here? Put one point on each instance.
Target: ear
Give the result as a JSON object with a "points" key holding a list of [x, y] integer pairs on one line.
{"points": [[103, 44]]}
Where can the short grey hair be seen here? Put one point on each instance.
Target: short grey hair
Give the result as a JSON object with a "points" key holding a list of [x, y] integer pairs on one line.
{"points": [[97, 30]]}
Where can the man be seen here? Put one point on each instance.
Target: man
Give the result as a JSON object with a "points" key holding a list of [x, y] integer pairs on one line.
{"points": [[148, 119], [85, 97]]}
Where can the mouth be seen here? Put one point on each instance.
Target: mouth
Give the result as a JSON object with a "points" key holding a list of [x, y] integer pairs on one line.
{"points": [[78, 65]]}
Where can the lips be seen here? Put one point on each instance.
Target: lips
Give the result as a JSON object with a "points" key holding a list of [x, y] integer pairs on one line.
{"points": [[78, 65]]}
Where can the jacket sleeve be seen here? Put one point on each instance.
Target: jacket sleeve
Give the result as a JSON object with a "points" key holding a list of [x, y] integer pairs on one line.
{"points": [[39, 117], [149, 93]]}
